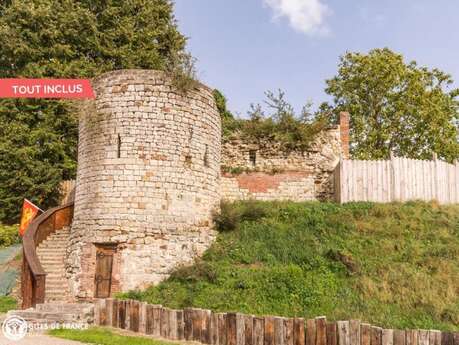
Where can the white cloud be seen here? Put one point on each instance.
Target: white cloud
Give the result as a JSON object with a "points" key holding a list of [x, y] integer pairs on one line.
{"points": [[307, 16]]}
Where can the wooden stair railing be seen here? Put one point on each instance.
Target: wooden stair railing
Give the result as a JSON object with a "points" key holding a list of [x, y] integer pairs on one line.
{"points": [[33, 277]]}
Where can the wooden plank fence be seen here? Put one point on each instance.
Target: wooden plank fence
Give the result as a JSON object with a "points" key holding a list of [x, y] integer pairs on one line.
{"points": [[397, 179], [207, 327]]}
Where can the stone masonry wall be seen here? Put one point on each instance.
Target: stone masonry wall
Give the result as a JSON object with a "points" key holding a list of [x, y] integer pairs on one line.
{"points": [[294, 186], [147, 179], [264, 171]]}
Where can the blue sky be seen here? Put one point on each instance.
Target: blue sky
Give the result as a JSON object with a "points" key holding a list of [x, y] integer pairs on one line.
{"points": [[245, 47]]}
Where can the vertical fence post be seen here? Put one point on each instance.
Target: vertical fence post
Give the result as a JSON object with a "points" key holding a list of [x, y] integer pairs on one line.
{"points": [[321, 330], [157, 320], [343, 332], [376, 335], [102, 312], [240, 329], [365, 334], [288, 331], [436, 178], [332, 333], [411, 337], [149, 320], [298, 331], [343, 185], [171, 332], [248, 329], [278, 330], [447, 338], [134, 319], [97, 312], [231, 329], [164, 323], [115, 313], [205, 333], [392, 178], [258, 331], [214, 329], [399, 337], [456, 336], [434, 337], [456, 177], [122, 314], [143, 318], [222, 332], [127, 320], [423, 337], [310, 338], [188, 324], [180, 324], [269, 331], [197, 324], [354, 332], [109, 307], [337, 180], [387, 337]]}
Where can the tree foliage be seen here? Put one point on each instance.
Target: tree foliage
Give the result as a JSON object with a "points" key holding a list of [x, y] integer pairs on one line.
{"points": [[69, 39], [395, 106], [277, 122], [229, 123]]}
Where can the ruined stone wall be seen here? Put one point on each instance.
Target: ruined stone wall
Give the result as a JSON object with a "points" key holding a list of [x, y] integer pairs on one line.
{"points": [[265, 171], [147, 179]]}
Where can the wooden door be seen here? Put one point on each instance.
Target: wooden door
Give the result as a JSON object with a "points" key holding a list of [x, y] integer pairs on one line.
{"points": [[103, 277]]}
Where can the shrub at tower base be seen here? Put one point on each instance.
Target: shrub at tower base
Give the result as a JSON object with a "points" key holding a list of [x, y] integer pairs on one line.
{"points": [[394, 265]]}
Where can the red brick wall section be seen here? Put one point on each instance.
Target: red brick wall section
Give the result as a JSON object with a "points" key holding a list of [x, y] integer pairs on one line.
{"points": [[344, 133], [262, 182], [88, 268]]}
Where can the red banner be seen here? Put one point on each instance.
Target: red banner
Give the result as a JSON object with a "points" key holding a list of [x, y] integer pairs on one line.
{"points": [[29, 211], [46, 88]]}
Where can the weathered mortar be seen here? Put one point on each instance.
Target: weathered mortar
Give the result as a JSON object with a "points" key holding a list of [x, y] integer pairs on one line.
{"points": [[278, 174], [147, 179]]}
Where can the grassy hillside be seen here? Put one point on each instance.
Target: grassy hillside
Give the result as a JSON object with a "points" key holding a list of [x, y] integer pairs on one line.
{"points": [[394, 265]]}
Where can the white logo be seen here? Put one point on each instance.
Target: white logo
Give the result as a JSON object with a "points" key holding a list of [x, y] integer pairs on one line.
{"points": [[14, 328]]}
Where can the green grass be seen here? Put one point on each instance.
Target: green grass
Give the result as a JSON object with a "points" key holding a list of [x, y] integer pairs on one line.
{"points": [[394, 265], [9, 235], [102, 336], [7, 303]]}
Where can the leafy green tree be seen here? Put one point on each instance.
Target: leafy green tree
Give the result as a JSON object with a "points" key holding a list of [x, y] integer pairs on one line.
{"points": [[395, 106], [229, 123], [280, 122], [220, 101], [70, 39], [277, 121]]}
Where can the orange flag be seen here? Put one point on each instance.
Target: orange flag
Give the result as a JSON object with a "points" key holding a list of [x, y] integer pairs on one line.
{"points": [[29, 211]]}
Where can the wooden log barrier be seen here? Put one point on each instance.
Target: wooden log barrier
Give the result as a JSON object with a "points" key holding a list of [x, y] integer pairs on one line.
{"points": [[332, 333], [321, 331], [258, 331], [205, 327], [310, 332]]}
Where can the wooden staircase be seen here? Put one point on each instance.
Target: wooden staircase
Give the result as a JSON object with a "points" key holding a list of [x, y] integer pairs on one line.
{"points": [[48, 234]]}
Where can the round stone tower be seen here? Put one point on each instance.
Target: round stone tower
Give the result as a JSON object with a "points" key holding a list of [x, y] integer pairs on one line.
{"points": [[147, 182]]}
